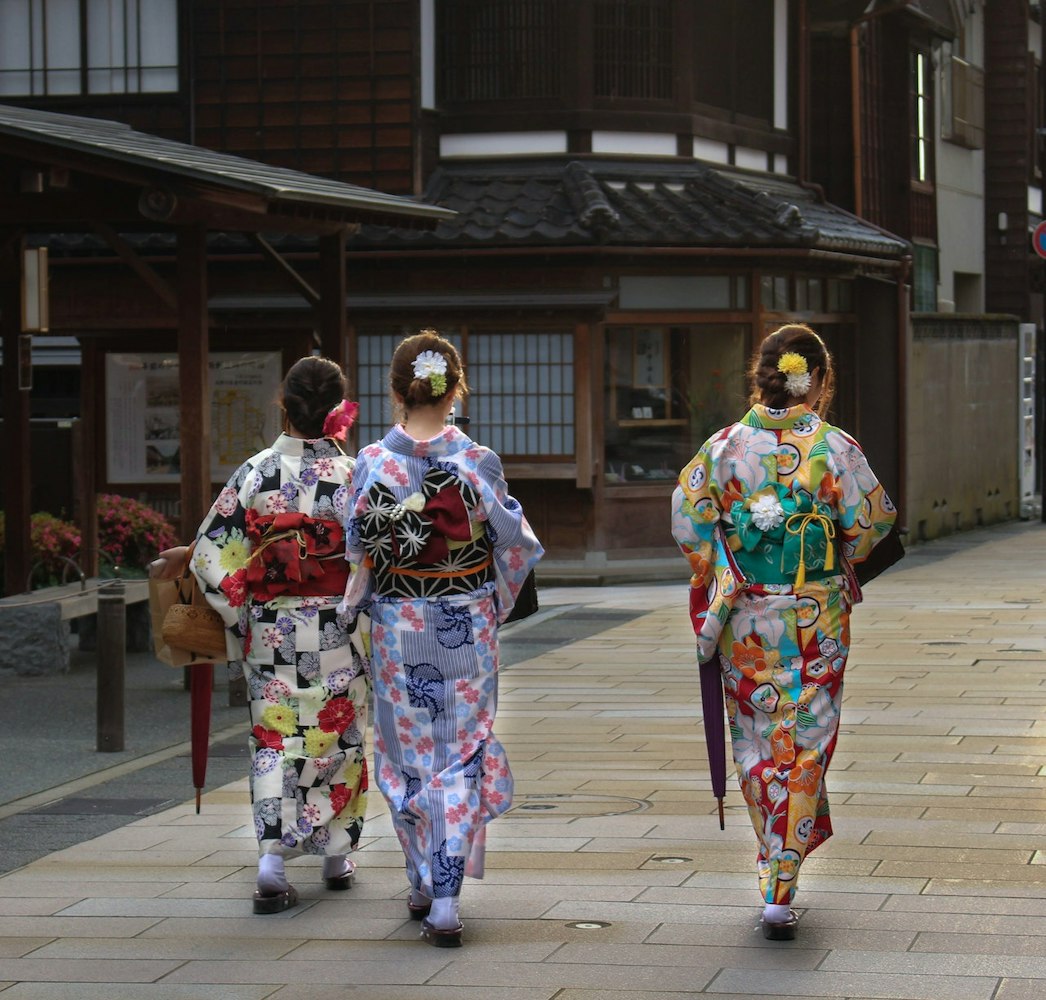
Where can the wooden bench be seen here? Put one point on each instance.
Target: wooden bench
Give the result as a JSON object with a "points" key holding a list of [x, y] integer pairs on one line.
{"points": [[35, 624]]}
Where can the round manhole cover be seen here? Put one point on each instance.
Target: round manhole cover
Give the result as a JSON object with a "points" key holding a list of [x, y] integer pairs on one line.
{"points": [[577, 804]]}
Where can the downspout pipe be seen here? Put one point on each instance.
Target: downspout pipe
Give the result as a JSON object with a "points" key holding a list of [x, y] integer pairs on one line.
{"points": [[903, 315]]}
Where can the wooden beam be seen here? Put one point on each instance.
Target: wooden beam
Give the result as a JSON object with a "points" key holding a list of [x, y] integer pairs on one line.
{"points": [[18, 474], [130, 257], [331, 308], [285, 267], [86, 453], [193, 357], [70, 209]]}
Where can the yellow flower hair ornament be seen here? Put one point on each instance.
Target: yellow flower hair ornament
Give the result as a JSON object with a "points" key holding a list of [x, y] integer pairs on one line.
{"points": [[797, 373]]}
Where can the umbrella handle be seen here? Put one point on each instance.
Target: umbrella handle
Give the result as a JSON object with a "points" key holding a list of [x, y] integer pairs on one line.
{"points": [[722, 820]]}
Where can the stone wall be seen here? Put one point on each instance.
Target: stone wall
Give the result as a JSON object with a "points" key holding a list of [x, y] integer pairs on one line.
{"points": [[962, 461]]}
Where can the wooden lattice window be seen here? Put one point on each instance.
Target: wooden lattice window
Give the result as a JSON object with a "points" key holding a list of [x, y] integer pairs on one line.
{"points": [[633, 49], [522, 398], [499, 51]]}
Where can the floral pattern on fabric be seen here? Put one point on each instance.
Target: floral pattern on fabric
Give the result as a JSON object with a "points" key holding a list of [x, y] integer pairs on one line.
{"points": [[761, 514], [437, 761], [305, 666]]}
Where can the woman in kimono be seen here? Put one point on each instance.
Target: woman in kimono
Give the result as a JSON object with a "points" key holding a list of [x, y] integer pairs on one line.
{"points": [[270, 557], [442, 551], [771, 513]]}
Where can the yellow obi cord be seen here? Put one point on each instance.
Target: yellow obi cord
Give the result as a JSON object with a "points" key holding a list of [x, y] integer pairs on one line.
{"points": [[805, 520]]}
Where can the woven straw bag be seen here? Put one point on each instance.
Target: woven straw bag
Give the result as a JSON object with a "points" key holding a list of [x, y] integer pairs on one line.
{"points": [[191, 624]]}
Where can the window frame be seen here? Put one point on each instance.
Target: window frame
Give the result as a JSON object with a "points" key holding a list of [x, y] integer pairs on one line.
{"points": [[38, 75]]}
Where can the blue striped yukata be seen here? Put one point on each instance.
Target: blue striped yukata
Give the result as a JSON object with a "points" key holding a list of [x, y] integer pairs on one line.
{"points": [[441, 551]]}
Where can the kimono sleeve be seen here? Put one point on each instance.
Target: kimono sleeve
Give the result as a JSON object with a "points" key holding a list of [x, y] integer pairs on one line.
{"points": [[695, 516], [360, 587], [516, 547], [221, 554], [865, 513]]}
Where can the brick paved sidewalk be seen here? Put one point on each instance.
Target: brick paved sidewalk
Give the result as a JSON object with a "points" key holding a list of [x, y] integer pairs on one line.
{"points": [[609, 879]]}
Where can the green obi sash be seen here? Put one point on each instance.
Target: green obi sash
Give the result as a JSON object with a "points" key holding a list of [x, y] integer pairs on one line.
{"points": [[795, 544]]}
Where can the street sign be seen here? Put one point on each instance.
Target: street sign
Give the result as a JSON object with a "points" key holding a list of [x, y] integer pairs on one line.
{"points": [[1038, 239]]}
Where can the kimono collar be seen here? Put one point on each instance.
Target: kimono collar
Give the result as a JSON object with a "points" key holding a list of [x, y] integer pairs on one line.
{"points": [[317, 447], [448, 442], [770, 418]]}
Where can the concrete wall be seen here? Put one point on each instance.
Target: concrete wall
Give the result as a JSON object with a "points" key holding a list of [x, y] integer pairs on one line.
{"points": [[960, 200], [962, 424]]}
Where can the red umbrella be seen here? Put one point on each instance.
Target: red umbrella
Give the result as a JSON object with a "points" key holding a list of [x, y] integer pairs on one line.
{"points": [[715, 731], [201, 685]]}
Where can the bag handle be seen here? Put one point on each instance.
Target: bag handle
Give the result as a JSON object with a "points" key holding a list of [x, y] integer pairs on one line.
{"points": [[186, 582]]}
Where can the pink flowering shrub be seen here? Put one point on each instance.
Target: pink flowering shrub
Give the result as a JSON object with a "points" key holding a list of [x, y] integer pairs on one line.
{"points": [[131, 533], [51, 542]]}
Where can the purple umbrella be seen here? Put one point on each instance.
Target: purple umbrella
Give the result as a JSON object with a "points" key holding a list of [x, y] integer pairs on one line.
{"points": [[715, 730]]}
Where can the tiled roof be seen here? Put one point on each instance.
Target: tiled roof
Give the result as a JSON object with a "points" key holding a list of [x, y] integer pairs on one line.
{"points": [[629, 203], [113, 141]]}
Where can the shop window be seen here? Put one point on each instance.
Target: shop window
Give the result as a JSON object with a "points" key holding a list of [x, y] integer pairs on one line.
{"points": [[668, 389], [775, 292], [56, 47]]}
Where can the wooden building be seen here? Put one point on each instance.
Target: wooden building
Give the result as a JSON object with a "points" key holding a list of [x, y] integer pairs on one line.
{"points": [[636, 189]]}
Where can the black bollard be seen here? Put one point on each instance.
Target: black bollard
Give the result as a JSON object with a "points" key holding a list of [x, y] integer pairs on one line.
{"points": [[112, 641]]}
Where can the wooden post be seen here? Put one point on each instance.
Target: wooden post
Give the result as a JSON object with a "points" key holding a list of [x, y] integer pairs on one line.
{"points": [[331, 310], [109, 682], [17, 497], [85, 456], [193, 357]]}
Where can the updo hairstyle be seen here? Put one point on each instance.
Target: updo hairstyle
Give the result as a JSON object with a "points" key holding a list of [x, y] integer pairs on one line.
{"points": [[768, 384], [419, 391], [310, 390]]}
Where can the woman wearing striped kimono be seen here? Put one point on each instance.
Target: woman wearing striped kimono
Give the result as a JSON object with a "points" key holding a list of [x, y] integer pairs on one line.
{"points": [[770, 513], [442, 551]]}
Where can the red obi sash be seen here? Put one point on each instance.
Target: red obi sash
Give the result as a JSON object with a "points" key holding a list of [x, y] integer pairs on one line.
{"points": [[294, 554]]}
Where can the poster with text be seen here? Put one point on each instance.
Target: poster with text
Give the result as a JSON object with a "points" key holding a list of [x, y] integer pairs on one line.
{"points": [[143, 431]]}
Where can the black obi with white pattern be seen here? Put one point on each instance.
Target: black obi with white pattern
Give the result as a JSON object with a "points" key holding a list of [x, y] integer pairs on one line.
{"points": [[426, 544]]}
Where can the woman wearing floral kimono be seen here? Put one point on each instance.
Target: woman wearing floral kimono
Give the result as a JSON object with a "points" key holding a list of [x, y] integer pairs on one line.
{"points": [[443, 551], [270, 557], [770, 513]]}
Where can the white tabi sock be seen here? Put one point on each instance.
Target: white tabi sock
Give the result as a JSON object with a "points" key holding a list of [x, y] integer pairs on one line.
{"points": [[444, 913], [271, 875], [337, 865], [776, 913]]}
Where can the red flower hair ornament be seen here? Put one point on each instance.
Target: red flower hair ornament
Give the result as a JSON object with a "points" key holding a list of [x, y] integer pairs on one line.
{"points": [[340, 419]]}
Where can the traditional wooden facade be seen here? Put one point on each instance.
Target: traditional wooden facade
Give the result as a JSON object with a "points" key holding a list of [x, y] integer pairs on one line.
{"points": [[637, 185]]}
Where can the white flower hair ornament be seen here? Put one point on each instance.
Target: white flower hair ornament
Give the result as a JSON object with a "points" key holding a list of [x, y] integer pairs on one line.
{"points": [[433, 366], [797, 373]]}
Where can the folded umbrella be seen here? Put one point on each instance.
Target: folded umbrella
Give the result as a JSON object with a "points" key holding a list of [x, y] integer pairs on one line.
{"points": [[712, 712], [201, 686]]}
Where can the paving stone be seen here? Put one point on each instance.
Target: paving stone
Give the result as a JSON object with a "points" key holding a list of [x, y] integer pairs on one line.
{"points": [[771, 982]]}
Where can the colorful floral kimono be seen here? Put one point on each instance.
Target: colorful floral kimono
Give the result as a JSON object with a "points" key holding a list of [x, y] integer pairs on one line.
{"points": [[270, 556], [443, 551], [770, 513]]}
